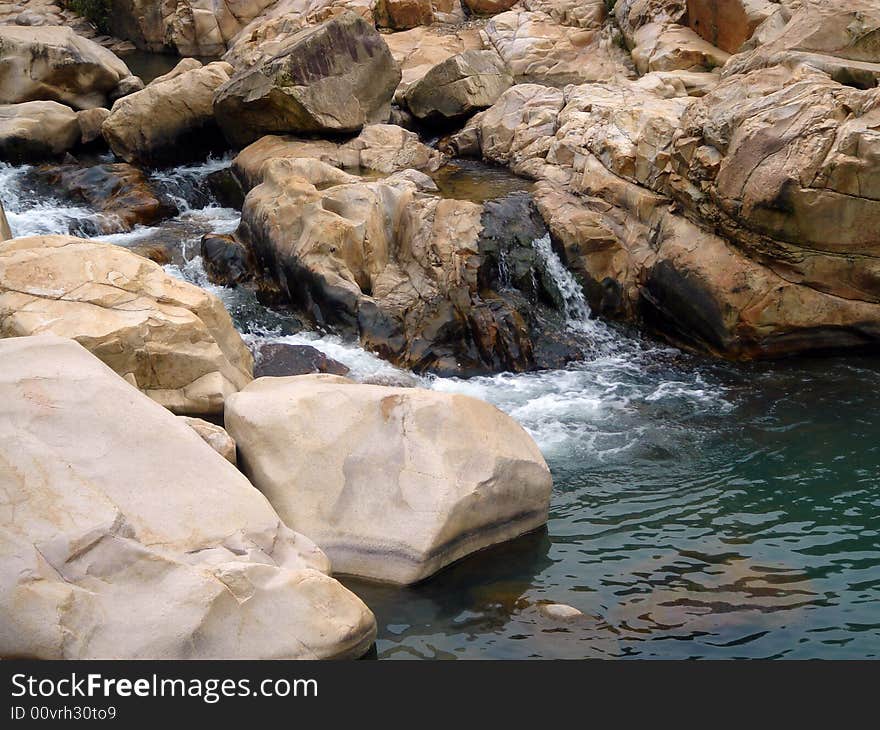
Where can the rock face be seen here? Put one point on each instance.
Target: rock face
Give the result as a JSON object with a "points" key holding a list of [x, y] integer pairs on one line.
{"points": [[170, 120], [135, 540], [404, 14], [401, 269], [171, 339], [5, 230], [539, 49], [37, 130], [459, 86], [393, 483], [728, 25], [334, 77], [489, 7], [55, 64]]}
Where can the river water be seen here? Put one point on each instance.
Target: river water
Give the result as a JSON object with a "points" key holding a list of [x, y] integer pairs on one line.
{"points": [[700, 508]]}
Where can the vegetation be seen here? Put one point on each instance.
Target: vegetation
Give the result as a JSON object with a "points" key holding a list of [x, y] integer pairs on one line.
{"points": [[97, 11]]}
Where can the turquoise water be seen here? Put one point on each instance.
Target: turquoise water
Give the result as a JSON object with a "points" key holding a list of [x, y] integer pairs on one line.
{"points": [[700, 509]]}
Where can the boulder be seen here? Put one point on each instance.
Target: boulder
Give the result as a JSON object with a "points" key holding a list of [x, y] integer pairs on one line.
{"points": [[404, 14], [225, 260], [130, 538], [392, 483], [419, 50], [334, 77], [538, 49], [213, 435], [278, 359], [633, 14], [459, 86], [661, 47], [575, 13], [37, 130], [169, 338], [384, 148], [169, 121], [120, 192], [90, 123], [488, 7], [55, 64], [730, 24]]}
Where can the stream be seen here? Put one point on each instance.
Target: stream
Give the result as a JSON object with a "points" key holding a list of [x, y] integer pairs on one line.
{"points": [[700, 508]]}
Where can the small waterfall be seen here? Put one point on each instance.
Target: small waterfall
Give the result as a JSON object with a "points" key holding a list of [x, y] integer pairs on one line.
{"points": [[186, 185]]}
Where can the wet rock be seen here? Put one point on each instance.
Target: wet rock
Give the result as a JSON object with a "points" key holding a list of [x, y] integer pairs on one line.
{"points": [[226, 261], [471, 477], [560, 612], [459, 86], [55, 64], [139, 539], [170, 121], [277, 359], [213, 435], [37, 130], [226, 188], [120, 192], [171, 339], [334, 77]]}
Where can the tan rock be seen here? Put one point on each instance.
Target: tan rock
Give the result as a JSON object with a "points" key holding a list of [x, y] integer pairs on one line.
{"points": [[287, 94], [384, 148], [171, 339], [171, 120], [5, 230], [215, 436], [419, 50], [393, 483], [674, 47], [633, 14], [576, 13], [459, 86], [124, 536], [538, 49], [37, 130], [489, 7], [90, 123], [55, 64]]}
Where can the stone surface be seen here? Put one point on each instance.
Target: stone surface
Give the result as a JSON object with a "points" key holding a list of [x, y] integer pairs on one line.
{"points": [[384, 148], [278, 359], [404, 14], [672, 48], [5, 230], [392, 483], [171, 339], [419, 50], [169, 121], [135, 540], [488, 7], [538, 49], [560, 612], [225, 260], [213, 435], [37, 130], [55, 64], [459, 86], [90, 123], [730, 24], [334, 77]]}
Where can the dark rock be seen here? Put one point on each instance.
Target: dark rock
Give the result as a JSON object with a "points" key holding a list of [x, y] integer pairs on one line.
{"points": [[279, 360], [226, 188], [226, 261]]}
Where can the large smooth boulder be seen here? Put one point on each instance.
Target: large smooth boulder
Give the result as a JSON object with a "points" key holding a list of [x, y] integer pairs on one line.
{"points": [[123, 535], [37, 130], [334, 77], [169, 338], [55, 64], [392, 483], [170, 120], [459, 86]]}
